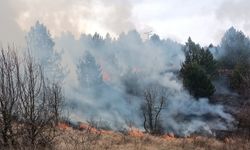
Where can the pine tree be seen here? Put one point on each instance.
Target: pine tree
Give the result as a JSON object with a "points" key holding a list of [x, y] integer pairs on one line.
{"points": [[89, 72], [40, 43], [196, 54], [197, 70], [97, 41], [196, 81], [234, 48], [192, 52], [41, 46]]}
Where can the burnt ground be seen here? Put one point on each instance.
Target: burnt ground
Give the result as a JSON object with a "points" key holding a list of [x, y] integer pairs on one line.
{"points": [[231, 100], [236, 106]]}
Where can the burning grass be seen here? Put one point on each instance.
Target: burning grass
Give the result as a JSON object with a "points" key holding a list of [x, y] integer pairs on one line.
{"points": [[87, 137], [169, 136], [63, 126], [134, 132]]}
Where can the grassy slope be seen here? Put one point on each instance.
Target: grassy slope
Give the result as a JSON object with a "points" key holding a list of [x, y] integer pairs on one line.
{"points": [[77, 140]]}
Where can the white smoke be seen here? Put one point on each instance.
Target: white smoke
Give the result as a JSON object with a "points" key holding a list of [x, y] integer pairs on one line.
{"points": [[153, 61], [236, 12], [76, 16]]}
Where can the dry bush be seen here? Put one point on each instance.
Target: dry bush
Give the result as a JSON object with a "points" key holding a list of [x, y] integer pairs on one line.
{"points": [[243, 117], [236, 143], [40, 104], [9, 95], [79, 140], [99, 124], [30, 106], [155, 98]]}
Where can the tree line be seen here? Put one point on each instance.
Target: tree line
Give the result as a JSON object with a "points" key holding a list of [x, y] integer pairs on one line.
{"points": [[202, 64]]}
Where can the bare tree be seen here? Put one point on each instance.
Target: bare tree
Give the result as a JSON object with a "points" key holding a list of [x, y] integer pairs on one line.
{"points": [[39, 104], [30, 106], [56, 100], [9, 94], [155, 97]]}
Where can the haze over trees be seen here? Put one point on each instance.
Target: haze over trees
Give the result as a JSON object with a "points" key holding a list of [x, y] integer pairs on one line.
{"points": [[118, 80], [234, 48], [89, 72], [129, 64], [234, 55], [240, 80], [41, 45], [155, 100]]}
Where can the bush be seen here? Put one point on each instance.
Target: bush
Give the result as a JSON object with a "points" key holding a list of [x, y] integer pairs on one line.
{"points": [[30, 106], [155, 98], [240, 80]]}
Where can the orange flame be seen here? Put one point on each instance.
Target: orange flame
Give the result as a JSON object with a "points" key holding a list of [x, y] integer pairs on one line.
{"points": [[83, 126], [135, 132], [169, 136], [105, 76], [106, 132], [63, 126]]}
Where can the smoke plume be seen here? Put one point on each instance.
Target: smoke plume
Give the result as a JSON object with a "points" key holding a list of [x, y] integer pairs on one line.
{"points": [[236, 12], [78, 16], [128, 65]]}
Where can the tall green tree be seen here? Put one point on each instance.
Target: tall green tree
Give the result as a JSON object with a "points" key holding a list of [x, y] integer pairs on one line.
{"points": [[194, 53], [196, 81], [197, 70]]}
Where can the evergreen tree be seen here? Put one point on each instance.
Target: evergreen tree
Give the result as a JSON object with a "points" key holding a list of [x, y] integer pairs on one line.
{"points": [[155, 39], [89, 72], [195, 54], [41, 47], [108, 40], [234, 48], [40, 43], [208, 63], [192, 52], [196, 81], [132, 82], [97, 41], [197, 70]]}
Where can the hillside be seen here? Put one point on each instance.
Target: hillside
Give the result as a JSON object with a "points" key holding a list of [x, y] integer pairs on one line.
{"points": [[135, 140]]}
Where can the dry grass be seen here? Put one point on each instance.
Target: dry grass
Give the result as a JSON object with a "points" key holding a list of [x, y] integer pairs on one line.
{"points": [[87, 140]]}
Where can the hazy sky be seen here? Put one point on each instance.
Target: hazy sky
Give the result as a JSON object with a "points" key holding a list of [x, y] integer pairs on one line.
{"points": [[204, 20]]}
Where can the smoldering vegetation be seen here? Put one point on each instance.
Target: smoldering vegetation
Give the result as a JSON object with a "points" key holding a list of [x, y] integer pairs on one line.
{"points": [[156, 85], [121, 70]]}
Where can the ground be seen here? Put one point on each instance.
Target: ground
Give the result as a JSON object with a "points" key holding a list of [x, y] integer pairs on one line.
{"points": [[92, 139]]}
